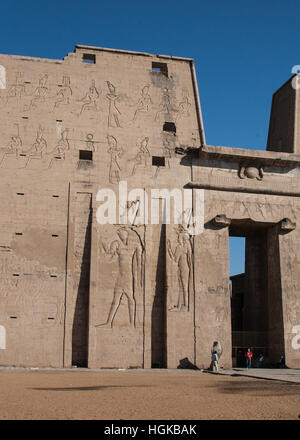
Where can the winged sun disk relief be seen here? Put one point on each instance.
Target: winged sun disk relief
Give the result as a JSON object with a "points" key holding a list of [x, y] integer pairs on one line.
{"points": [[251, 172]]}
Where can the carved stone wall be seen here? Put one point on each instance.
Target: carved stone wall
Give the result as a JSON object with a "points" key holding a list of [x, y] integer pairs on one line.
{"points": [[32, 261], [180, 296], [74, 291], [57, 115], [212, 291], [289, 272], [117, 297]]}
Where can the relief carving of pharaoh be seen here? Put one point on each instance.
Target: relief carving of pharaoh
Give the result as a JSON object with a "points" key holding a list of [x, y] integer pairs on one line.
{"points": [[127, 250], [115, 153]]}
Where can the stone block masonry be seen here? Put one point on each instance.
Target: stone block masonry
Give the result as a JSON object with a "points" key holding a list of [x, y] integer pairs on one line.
{"points": [[76, 292]]}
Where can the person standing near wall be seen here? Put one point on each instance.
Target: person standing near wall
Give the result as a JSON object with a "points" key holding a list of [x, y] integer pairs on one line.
{"points": [[249, 355], [260, 362], [215, 361]]}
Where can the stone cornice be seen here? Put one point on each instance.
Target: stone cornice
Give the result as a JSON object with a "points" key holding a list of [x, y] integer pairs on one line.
{"points": [[244, 189], [247, 156]]}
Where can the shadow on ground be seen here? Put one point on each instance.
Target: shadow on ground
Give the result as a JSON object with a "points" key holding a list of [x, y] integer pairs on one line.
{"points": [[91, 388], [260, 388]]}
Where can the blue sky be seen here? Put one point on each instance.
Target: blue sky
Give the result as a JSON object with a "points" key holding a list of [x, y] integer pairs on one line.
{"points": [[243, 51]]}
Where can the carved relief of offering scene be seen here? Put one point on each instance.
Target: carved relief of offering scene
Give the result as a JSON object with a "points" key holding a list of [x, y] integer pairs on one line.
{"points": [[123, 166], [115, 152], [63, 94], [171, 109], [40, 154], [113, 110], [28, 95], [13, 148], [163, 107], [37, 95], [183, 108], [167, 153], [90, 102], [17, 89], [122, 259], [169, 149], [144, 103], [141, 159], [47, 93]]}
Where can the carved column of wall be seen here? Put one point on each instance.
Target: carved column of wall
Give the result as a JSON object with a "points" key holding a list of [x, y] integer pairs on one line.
{"points": [[116, 333], [274, 317], [289, 246], [212, 300], [180, 296]]}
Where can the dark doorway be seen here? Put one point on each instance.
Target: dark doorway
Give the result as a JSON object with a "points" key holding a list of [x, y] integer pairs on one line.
{"points": [[256, 294]]}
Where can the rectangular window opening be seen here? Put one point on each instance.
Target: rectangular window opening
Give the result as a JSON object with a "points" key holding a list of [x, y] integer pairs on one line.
{"points": [[55, 195], [89, 58], [54, 235], [85, 155], [160, 67], [13, 317], [158, 161], [20, 194], [19, 233], [170, 127]]}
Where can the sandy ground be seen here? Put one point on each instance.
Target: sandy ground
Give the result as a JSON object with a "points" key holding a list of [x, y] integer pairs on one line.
{"points": [[143, 395]]}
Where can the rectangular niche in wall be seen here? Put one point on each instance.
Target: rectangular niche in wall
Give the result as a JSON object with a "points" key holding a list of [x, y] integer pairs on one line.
{"points": [[89, 58], [158, 161], [85, 155], [170, 127], [160, 67]]}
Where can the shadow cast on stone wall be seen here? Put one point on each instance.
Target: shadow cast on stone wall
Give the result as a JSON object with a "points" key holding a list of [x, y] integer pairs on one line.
{"points": [[81, 313], [158, 318]]}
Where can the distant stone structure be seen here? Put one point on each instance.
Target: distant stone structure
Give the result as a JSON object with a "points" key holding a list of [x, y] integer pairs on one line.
{"points": [[77, 292]]}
